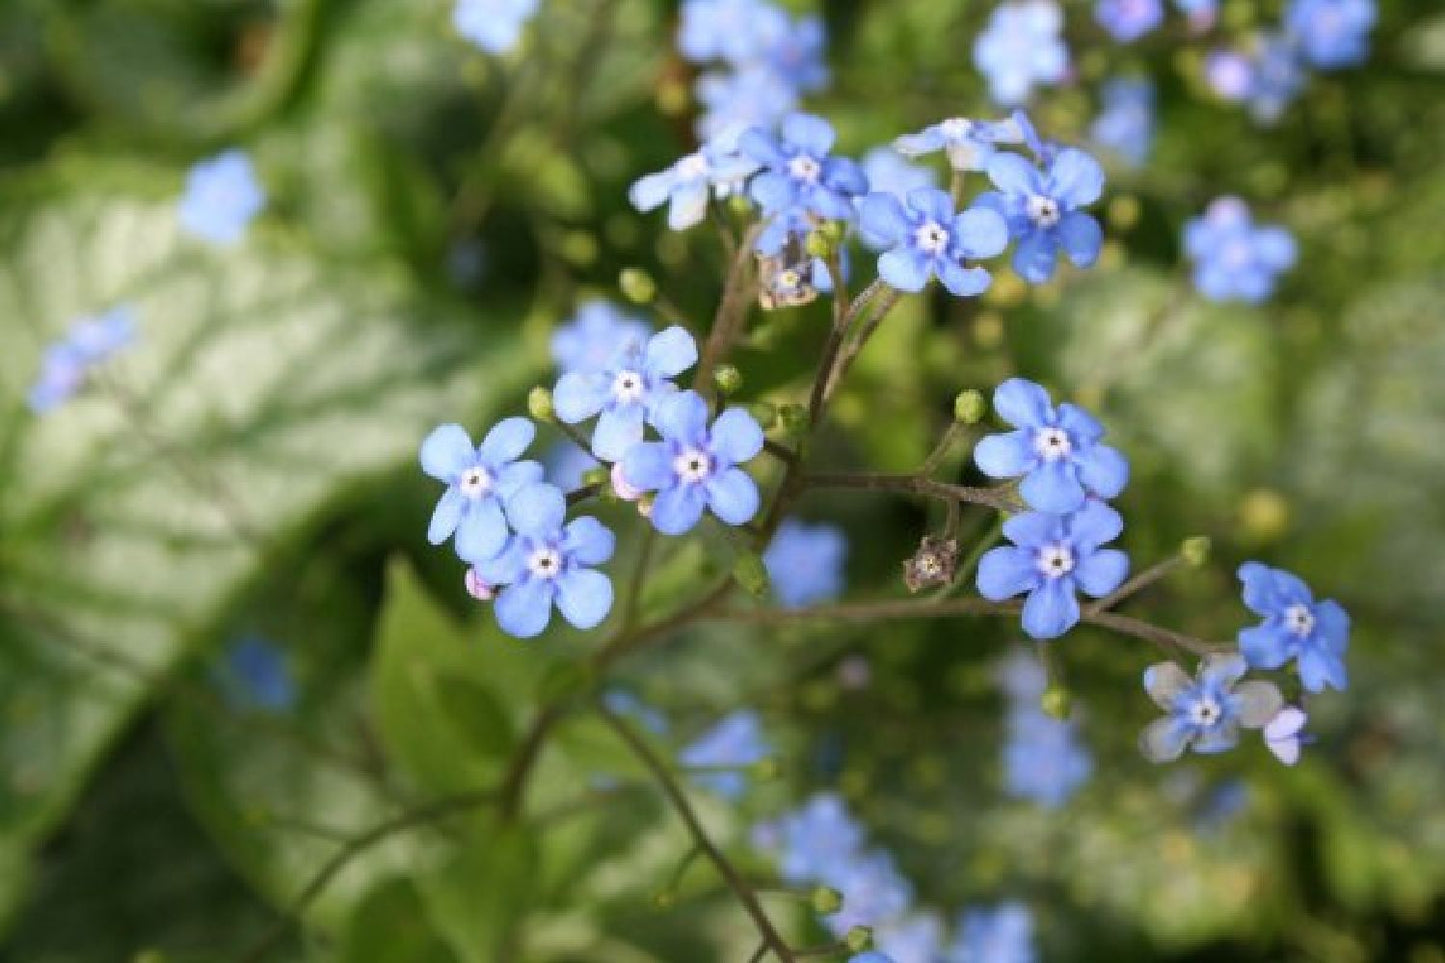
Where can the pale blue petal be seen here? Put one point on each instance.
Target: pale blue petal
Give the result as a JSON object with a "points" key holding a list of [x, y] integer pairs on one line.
{"points": [[1082, 427], [1257, 703], [1318, 670], [617, 431], [1033, 529], [1103, 470], [1022, 403], [688, 207], [1007, 455], [652, 191], [1011, 174], [1164, 681], [906, 268], [671, 352], [1051, 609], [1005, 572], [1053, 487], [579, 396], [681, 418], [1259, 589], [1163, 740], [1100, 573], [1223, 671], [509, 566], [1332, 626], [446, 517], [482, 532], [1221, 738], [517, 474], [882, 221], [584, 597], [1266, 646], [842, 175], [980, 232], [648, 466], [447, 452], [524, 608], [756, 144], [774, 192], [1076, 178], [933, 204], [678, 509], [1094, 525], [588, 541], [1034, 257], [506, 441], [814, 135], [1081, 238], [733, 496], [963, 282], [736, 437], [537, 510]]}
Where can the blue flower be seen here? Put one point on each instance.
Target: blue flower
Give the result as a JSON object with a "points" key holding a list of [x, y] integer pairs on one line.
{"points": [[738, 741], [1230, 74], [222, 196], [1003, 934], [872, 956], [805, 563], [1043, 209], [1233, 258], [873, 890], [598, 333], [695, 467], [721, 30], [1283, 734], [1056, 555], [1331, 33], [968, 143], [66, 363], [914, 939], [1056, 450], [927, 239], [888, 172], [1269, 76], [1126, 123], [1295, 626], [1128, 20], [254, 675], [801, 177], [549, 562], [737, 101], [626, 391], [493, 25], [1021, 46], [1205, 712], [687, 185], [1042, 758], [794, 49], [478, 480], [818, 840]]}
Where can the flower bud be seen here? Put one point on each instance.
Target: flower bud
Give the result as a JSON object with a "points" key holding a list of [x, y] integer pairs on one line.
{"points": [[818, 245], [740, 204], [1056, 702], [826, 900], [859, 939], [637, 285], [622, 488], [969, 407], [597, 477], [478, 589], [727, 378], [750, 572], [1195, 551], [539, 404]]}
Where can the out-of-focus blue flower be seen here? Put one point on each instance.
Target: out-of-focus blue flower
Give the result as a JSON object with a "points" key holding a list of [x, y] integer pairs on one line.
{"points": [[968, 143], [1205, 712], [687, 185], [737, 101], [625, 392], [1057, 451], [1002, 934], [1230, 74], [222, 196], [1042, 758], [794, 49], [738, 741], [1022, 677], [253, 674], [1021, 46], [1126, 123], [565, 463], [915, 939], [1295, 626], [1054, 556], [493, 25], [1331, 33], [818, 840], [805, 563], [874, 892], [1276, 77], [1043, 209], [694, 467], [1284, 734], [872, 956], [1128, 20], [624, 703], [478, 480], [1233, 258], [801, 177], [66, 363], [1221, 805], [888, 172], [926, 238], [721, 30], [548, 562], [1201, 13], [598, 333]]}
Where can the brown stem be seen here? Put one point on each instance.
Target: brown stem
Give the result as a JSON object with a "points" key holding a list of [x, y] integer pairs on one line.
{"points": [[1137, 584], [1000, 499], [885, 303], [731, 312]]}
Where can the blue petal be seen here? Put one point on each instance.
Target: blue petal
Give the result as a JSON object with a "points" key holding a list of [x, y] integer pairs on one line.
{"points": [[924, 142], [811, 134], [1332, 627], [1081, 238], [509, 566], [1318, 669], [648, 466], [506, 441], [1033, 529], [1223, 671], [1100, 573], [1051, 609], [736, 437], [733, 496], [1007, 455], [1053, 487], [1093, 525], [827, 203], [963, 282], [1222, 738], [906, 268], [671, 352], [446, 517], [756, 144], [1275, 248], [588, 541], [447, 452], [1163, 740], [579, 396], [584, 597], [882, 221], [980, 232], [1083, 428], [1011, 174], [678, 509], [537, 510], [482, 532], [1266, 646], [1103, 470], [524, 608], [617, 431], [1034, 257], [688, 207], [933, 204], [682, 418], [1290, 589], [1259, 589], [517, 474], [1164, 681], [843, 176], [1023, 404], [652, 191], [1005, 572], [774, 192], [1076, 179]]}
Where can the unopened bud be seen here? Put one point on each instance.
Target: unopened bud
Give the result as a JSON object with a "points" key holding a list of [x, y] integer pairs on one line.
{"points": [[740, 204], [832, 230], [1056, 702], [727, 378], [826, 900], [969, 407], [750, 572], [622, 488], [818, 245], [478, 589], [539, 404], [637, 285], [859, 939], [1195, 551], [597, 476]]}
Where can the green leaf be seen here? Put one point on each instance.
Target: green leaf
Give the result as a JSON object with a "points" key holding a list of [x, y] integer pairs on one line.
{"points": [[390, 926], [479, 898]]}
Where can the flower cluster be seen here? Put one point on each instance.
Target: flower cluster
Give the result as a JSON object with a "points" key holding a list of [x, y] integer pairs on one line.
{"points": [[1235, 259], [67, 363], [1021, 46], [221, 198]]}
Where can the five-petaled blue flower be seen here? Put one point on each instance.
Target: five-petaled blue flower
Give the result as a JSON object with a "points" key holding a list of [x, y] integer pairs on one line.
{"points": [[687, 185], [926, 238], [800, 177], [1268, 76], [695, 467], [1056, 450], [222, 196], [873, 891], [493, 25], [968, 143], [598, 333], [818, 839], [1052, 557], [1205, 712], [1128, 20], [1331, 33], [1233, 258], [1043, 209], [548, 562], [805, 563], [1003, 934], [1043, 759], [1126, 123], [1295, 626], [478, 480], [1021, 46], [626, 391], [66, 363], [736, 741]]}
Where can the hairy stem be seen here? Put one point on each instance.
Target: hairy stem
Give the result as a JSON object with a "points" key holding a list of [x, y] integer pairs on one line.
{"points": [[732, 312], [1000, 499]]}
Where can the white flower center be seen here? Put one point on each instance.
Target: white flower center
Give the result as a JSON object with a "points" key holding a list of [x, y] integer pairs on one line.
{"points": [[956, 128], [1237, 254], [628, 386], [804, 168], [1056, 561], [1299, 620], [931, 238], [1052, 444], [693, 167], [692, 465], [1043, 211], [545, 563], [475, 482], [1205, 712]]}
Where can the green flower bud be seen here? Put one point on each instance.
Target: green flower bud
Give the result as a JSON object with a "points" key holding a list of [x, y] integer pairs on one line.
{"points": [[599, 476], [832, 230], [826, 900], [1056, 702], [859, 939], [751, 573], [727, 378], [818, 245], [969, 407], [740, 204], [539, 404], [637, 285], [1195, 551]]}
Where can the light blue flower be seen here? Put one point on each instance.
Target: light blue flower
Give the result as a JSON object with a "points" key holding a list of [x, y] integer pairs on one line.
{"points": [[1043, 760], [222, 197], [1002, 934], [597, 334], [493, 25], [1054, 556], [794, 49], [1331, 33], [738, 741], [801, 177], [914, 939], [1057, 451], [687, 185], [872, 956], [478, 480], [888, 172], [737, 101], [694, 467], [927, 239], [1268, 77], [1295, 626], [874, 892], [1125, 125], [1205, 712], [968, 143], [1233, 258], [66, 363], [805, 563], [1022, 45], [1283, 734], [625, 392], [549, 562], [1128, 20], [818, 839], [253, 674], [1043, 209], [1230, 74], [721, 30]]}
